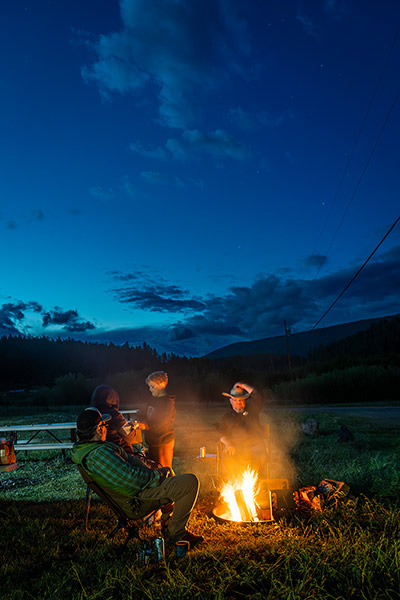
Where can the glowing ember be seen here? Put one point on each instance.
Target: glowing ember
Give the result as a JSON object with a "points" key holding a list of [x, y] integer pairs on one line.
{"points": [[239, 496]]}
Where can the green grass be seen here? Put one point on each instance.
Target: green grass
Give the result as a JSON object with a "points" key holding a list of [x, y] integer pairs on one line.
{"points": [[347, 552]]}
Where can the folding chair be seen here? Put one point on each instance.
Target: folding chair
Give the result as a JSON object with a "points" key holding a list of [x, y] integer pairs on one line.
{"points": [[131, 526], [220, 456]]}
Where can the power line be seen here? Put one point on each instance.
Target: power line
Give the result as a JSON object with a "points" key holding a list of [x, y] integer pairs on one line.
{"points": [[356, 274], [365, 167], [353, 150]]}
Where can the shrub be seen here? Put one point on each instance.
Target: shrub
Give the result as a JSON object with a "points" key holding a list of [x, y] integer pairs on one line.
{"points": [[355, 384]]}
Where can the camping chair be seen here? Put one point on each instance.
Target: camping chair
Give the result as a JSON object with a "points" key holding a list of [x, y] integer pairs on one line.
{"points": [[220, 457], [131, 526]]}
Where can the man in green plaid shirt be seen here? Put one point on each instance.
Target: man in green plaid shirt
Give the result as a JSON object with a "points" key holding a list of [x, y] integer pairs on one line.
{"points": [[136, 488]]}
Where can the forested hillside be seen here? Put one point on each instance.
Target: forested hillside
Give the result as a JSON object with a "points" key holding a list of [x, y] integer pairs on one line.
{"points": [[363, 366], [381, 339], [29, 362]]}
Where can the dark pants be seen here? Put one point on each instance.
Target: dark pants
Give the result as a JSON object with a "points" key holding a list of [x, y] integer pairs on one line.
{"points": [[182, 490]]}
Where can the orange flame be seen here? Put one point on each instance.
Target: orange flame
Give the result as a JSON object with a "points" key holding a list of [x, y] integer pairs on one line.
{"points": [[247, 482]]}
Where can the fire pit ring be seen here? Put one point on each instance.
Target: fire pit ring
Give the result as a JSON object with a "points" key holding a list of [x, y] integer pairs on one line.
{"points": [[220, 512]]}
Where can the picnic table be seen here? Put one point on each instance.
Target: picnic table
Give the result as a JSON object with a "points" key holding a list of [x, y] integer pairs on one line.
{"points": [[56, 439]]}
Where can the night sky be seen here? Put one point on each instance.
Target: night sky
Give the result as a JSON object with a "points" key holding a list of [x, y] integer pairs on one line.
{"points": [[189, 173]]}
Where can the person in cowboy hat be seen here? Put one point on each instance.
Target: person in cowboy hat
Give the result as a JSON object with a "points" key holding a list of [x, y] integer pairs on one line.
{"points": [[242, 433]]}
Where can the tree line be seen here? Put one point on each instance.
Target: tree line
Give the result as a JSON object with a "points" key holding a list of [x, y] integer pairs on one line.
{"points": [[66, 370]]}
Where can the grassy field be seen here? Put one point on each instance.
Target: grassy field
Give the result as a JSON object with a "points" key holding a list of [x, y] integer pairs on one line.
{"points": [[350, 551]]}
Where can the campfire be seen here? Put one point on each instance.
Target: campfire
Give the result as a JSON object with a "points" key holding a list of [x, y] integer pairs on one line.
{"points": [[245, 499]]}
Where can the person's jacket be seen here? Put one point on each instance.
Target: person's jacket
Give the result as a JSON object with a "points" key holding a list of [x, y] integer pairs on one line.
{"points": [[159, 417], [244, 428], [108, 464]]}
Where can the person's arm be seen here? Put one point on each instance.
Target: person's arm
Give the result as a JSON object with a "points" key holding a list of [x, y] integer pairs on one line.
{"points": [[127, 430], [229, 447], [246, 386], [225, 429], [255, 403], [109, 463]]}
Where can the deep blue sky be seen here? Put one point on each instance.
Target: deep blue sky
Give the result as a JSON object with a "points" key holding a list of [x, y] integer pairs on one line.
{"points": [[170, 169]]}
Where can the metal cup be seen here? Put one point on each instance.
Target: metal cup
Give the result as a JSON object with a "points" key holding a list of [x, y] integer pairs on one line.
{"points": [[182, 548]]}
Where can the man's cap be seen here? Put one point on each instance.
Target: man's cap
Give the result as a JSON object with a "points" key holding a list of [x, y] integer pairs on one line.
{"points": [[237, 392], [88, 421]]}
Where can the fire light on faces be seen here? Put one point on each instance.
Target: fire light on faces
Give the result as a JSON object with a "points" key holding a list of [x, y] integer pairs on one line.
{"points": [[239, 496]]}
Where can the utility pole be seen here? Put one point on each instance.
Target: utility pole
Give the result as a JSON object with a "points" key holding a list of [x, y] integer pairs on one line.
{"points": [[287, 348]]}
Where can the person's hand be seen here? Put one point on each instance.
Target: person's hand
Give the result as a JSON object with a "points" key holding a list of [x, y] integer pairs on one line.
{"points": [[249, 388], [229, 449], [165, 472], [138, 425]]}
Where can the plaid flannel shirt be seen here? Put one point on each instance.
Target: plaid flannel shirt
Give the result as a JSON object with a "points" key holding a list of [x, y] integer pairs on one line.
{"points": [[109, 464]]}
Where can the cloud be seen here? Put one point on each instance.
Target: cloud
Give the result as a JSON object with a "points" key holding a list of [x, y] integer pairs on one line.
{"points": [[69, 320], [315, 260], [336, 9], [129, 189], [152, 177], [257, 311], [252, 121], [177, 149], [183, 182], [179, 333], [156, 297], [36, 215], [307, 23], [181, 50], [157, 152], [101, 192], [218, 144], [75, 212], [12, 316]]}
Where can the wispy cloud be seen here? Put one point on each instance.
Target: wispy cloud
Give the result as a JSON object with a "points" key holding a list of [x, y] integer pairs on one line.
{"points": [[178, 49], [103, 193], [307, 23], [336, 9], [183, 182], [129, 189], [35, 215], [249, 121], [256, 311], [160, 297], [157, 152], [315, 260], [152, 177], [68, 320], [75, 212], [14, 318], [218, 144]]}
